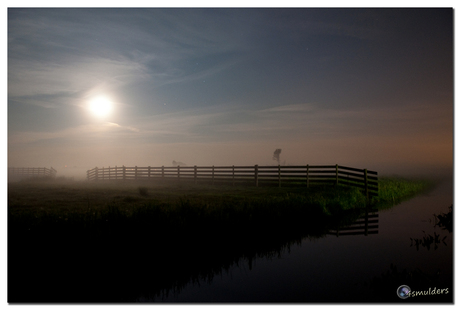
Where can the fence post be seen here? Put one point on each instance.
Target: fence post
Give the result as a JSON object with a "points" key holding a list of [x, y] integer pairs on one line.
{"points": [[256, 174], [116, 173], [366, 185], [279, 175], [212, 174], [233, 175], [149, 174], [135, 172], [194, 173], [308, 181], [336, 174], [178, 172], [97, 173], [162, 172], [124, 173]]}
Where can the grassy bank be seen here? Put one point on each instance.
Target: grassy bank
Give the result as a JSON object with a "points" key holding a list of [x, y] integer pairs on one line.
{"points": [[126, 239], [394, 190]]}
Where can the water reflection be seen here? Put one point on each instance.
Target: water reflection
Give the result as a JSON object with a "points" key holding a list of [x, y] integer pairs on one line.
{"points": [[445, 220], [348, 269], [420, 281], [442, 220], [365, 225], [301, 264], [427, 241], [383, 287], [124, 263], [357, 222]]}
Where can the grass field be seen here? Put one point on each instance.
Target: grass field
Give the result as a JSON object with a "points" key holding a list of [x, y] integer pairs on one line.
{"points": [[158, 236]]}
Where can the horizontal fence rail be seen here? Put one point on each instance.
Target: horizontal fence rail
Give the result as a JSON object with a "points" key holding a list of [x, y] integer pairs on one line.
{"points": [[30, 172], [364, 179]]}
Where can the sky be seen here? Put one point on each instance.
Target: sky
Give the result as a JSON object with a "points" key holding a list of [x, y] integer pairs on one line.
{"points": [[366, 88]]}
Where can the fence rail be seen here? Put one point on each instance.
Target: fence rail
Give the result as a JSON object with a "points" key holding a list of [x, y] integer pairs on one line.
{"points": [[30, 172], [364, 179]]}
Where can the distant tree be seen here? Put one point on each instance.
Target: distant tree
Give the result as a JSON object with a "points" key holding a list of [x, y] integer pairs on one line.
{"points": [[276, 155]]}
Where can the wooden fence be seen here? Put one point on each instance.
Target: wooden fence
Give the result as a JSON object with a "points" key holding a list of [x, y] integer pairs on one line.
{"points": [[276, 175], [368, 224], [28, 172]]}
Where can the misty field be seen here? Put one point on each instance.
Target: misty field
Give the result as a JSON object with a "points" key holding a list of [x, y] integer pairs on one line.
{"points": [[123, 239]]}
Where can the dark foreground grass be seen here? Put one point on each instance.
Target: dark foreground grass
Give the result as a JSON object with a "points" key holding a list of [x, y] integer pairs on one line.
{"points": [[111, 242]]}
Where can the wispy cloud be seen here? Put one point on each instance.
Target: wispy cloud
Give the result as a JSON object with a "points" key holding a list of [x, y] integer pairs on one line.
{"points": [[80, 133], [298, 122], [291, 108], [115, 125], [65, 58], [50, 85]]}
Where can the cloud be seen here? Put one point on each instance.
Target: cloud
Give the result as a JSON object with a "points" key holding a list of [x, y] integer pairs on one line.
{"points": [[56, 56], [80, 133], [51, 85], [301, 122], [125, 128], [291, 108]]}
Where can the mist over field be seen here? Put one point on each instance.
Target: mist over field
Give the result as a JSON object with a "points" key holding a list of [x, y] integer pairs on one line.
{"points": [[413, 165]]}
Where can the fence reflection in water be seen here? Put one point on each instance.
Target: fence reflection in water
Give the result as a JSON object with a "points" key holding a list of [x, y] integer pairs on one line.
{"points": [[366, 225]]}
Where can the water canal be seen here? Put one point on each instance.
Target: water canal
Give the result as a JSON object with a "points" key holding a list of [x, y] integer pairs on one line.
{"points": [[351, 268]]}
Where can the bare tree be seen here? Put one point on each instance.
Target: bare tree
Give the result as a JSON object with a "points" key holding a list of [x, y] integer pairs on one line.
{"points": [[276, 155]]}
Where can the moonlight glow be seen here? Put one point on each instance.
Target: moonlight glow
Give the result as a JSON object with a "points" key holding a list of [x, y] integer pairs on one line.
{"points": [[100, 106]]}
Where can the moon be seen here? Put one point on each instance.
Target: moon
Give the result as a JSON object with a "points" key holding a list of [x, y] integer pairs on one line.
{"points": [[100, 106]]}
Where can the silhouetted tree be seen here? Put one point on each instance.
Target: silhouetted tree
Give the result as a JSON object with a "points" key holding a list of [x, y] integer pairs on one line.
{"points": [[276, 155]]}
